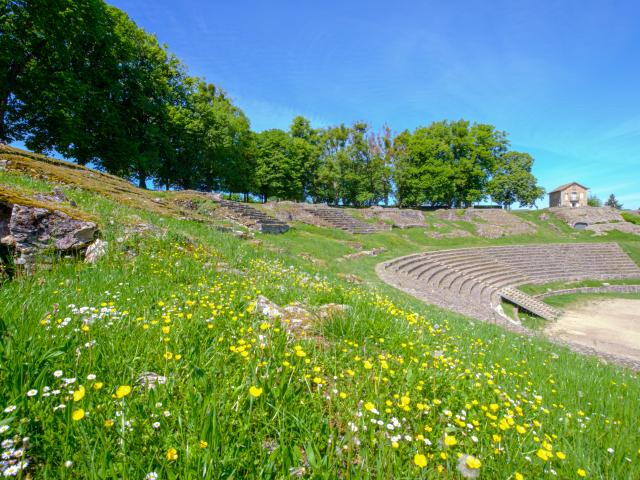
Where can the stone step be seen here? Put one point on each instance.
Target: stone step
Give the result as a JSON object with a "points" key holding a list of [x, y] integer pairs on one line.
{"points": [[257, 219], [529, 303]]}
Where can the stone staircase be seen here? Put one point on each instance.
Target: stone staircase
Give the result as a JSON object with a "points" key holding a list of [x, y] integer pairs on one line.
{"points": [[336, 218], [529, 303], [254, 218]]}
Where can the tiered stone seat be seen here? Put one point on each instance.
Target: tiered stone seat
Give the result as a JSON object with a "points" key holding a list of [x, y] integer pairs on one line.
{"points": [[337, 218], [476, 279], [254, 218]]}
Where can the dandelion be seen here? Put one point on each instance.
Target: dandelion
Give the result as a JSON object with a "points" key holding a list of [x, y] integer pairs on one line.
{"points": [[98, 385], [108, 423], [123, 391], [78, 414], [420, 460], [172, 454], [518, 476], [203, 444], [561, 455], [582, 472], [255, 392]]}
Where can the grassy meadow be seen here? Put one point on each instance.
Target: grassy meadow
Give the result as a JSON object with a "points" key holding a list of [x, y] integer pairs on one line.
{"points": [[391, 388]]}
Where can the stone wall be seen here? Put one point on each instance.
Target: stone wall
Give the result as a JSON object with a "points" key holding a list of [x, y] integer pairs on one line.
{"points": [[603, 289]]}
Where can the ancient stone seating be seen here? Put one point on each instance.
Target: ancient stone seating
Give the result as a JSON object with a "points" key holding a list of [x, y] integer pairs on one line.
{"points": [[398, 217], [490, 222], [474, 280], [337, 218], [253, 217]]}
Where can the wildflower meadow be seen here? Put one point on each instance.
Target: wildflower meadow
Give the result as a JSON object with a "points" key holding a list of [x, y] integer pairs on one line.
{"points": [[155, 364]]}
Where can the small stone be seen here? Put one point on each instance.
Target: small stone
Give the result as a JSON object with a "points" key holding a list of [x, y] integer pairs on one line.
{"points": [[267, 308], [331, 309], [150, 380], [94, 251]]}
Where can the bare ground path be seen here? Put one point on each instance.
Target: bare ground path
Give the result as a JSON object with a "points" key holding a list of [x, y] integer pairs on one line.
{"points": [[609, 326]]}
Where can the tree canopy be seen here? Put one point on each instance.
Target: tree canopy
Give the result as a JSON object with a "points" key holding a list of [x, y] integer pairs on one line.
{"points": [[82, 79]]}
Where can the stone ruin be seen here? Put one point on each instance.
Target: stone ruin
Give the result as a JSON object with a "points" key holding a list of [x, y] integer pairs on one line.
{"points": [[596, 219], [397, 217], [490, 222]]}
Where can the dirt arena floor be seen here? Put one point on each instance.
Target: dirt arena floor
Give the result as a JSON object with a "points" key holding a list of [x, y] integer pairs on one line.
{"points": [[609, 325]]}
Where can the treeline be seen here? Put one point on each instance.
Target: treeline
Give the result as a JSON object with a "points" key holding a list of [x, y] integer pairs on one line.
{"points": [[80, 78]]}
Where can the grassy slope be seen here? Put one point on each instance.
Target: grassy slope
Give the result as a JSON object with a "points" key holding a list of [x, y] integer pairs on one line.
{"points": [[452, 371], [572, 299]]}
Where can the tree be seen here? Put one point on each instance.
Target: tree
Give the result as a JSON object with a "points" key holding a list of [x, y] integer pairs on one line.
{"points": [[82, 79], [613, 202], [353, 166], [307, 142], [447, 163], [53, 55], [279, 165], [594, 201], [512, 181]]}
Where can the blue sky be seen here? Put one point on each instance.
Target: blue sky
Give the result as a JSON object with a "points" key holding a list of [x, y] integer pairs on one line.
{"points": [[562, 77]]}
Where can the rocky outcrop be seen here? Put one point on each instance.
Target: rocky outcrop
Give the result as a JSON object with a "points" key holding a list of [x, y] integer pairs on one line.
{"points": [[27, 230]]}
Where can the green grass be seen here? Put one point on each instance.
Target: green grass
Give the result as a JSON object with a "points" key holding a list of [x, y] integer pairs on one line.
{"points": [[631, 217], [572, 299], [435, 372], [539, 288]]}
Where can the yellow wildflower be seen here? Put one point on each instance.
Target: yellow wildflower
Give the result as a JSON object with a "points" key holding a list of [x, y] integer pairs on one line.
{"points": [[473, 462], [78, 394], [78, 414], [449, 441], [123, 391], [255, 392], [172, 454], [420, 460]]}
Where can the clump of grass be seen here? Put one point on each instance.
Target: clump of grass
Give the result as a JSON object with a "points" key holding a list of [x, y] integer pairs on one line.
{"points": [[631, 218]]}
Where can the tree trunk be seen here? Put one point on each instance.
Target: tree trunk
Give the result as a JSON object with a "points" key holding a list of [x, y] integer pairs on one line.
{"points": [[142, 180]]}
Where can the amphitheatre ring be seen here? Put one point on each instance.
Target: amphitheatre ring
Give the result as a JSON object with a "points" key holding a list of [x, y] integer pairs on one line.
{"points": [[475, 281]]}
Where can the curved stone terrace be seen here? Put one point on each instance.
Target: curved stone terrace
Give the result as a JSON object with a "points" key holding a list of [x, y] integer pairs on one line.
{"points": [[473, 281]]}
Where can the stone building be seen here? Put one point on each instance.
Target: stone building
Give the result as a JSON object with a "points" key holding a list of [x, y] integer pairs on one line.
{"points": [[569, 195]]}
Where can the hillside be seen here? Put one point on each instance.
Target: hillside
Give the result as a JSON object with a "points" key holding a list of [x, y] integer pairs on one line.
{"points": [[196, 348]]}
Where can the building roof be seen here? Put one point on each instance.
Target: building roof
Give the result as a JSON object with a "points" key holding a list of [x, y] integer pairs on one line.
{"points": [[567, 185]]}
